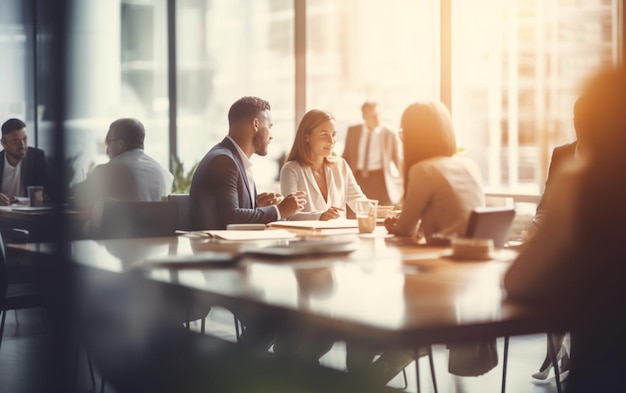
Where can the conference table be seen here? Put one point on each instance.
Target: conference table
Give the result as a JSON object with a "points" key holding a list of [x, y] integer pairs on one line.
{"points": [[383, 291], [41, 223]]}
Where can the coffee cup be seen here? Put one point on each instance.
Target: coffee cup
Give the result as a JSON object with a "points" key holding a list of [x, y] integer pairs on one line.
{"points": [[35, 195]]}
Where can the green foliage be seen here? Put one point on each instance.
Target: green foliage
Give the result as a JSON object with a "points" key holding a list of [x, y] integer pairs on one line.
{"points": [[182, 179]]}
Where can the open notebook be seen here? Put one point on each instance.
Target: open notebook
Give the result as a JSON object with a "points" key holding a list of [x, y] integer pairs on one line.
{"points": [[329, 227], [242, 235]]}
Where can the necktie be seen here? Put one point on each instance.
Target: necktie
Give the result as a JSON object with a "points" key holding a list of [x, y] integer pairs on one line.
{"points": [[366, 155]]}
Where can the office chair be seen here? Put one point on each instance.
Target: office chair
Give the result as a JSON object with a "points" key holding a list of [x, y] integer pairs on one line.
{"points": [[182, 200], [15, 296], [127, 219]]}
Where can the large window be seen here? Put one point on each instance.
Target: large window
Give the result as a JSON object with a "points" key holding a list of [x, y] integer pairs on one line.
{"points": [[360, 50], [517, 67], [228, 49], [16, 68]]}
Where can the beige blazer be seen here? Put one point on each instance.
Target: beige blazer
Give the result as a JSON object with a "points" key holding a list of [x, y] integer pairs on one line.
{"points": [[392, 158]]}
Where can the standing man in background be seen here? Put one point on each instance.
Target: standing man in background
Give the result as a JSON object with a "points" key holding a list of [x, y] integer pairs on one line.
{"points": [[374, 153], [20, 166]]}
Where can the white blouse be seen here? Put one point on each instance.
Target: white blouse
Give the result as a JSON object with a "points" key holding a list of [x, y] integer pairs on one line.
{"points": [[341, 184]]}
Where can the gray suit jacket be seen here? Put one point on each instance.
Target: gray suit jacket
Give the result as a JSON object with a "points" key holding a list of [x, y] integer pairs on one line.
{"points": [[220, 193], [392, 158]]}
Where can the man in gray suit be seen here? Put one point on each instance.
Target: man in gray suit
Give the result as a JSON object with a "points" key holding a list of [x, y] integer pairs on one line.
{"points": [[222, 188], [374, 153]]}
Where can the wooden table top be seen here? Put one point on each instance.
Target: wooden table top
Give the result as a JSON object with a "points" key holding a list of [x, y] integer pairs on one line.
{"points": [[388, 289]]}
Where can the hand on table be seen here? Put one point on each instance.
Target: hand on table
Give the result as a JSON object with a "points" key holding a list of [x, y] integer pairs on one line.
{"points": [[4, 200], [292, 203], [268, 198], [390, 224], [332, 213]]}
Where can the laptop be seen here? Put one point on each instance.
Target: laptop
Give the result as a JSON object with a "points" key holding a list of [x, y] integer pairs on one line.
{"points": [[491, 223]]}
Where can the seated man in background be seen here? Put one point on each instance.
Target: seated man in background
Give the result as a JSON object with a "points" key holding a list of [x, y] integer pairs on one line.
{"points": [[222, 189], [21, 166], [130, 174]]}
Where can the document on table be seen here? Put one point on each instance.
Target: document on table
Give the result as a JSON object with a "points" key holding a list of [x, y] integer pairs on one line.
{"points": [[317, 226], [243, 235]]}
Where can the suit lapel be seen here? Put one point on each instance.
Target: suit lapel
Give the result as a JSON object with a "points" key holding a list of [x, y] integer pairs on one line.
{"points": [[1, 166], [242, 170]]}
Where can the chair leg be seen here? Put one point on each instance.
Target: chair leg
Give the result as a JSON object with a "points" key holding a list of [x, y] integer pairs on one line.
{"points": [[555, 363], [417, 373], [91, 373], [406, 381], [432, 368], [202, 324], [4, 315], [238, 331], [505, 359]]}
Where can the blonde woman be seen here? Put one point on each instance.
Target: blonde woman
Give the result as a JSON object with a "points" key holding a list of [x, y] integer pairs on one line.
{"points": [[311, 167]]}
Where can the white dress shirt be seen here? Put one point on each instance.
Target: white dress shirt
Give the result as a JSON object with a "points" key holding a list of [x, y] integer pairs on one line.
{"points": [[342, 187], [12, 179]]}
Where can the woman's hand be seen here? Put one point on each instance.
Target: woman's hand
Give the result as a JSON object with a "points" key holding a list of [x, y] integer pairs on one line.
{"points": [[332, 213], [390, 224]]}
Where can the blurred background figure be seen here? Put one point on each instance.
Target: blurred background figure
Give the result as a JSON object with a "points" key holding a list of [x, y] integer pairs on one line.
{"points": [[374, 153], [130, 174], [562, 157]]}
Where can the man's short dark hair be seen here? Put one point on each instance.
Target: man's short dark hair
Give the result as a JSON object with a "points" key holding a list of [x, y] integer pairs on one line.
{"points": [[247, 108], [368, 105], [130, 130], [12, 125]]}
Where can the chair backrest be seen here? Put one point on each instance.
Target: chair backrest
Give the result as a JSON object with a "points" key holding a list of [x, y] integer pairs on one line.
{"points": [[122, 219], [182, 200], [4, 273], [491, 223]]}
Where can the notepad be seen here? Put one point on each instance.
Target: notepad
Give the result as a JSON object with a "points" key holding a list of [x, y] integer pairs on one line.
{"points": [[308, 247], [33, 208], [319, 227], [242, 235], [197, 261]]}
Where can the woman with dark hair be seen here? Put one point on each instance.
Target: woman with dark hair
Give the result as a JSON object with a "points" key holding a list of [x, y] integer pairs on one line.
{"points": [[440, 191], [311, 167], [440, 188]]}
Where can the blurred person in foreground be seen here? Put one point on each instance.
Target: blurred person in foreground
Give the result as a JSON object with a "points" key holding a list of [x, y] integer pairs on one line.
{"points": [[581, 240], [328, 181], [562, 157]]}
